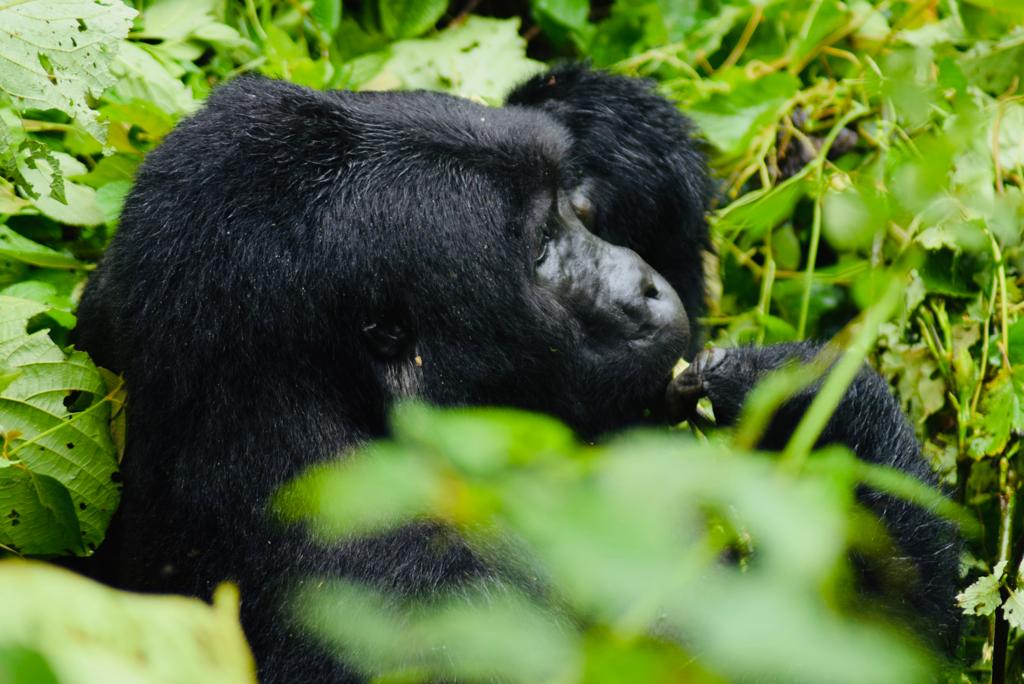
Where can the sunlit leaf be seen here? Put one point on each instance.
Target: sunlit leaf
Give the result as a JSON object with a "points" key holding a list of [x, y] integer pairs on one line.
{"points": [[731, 120], [410, 18], [982, 597], [57, 53], [85, 632], [56, 421], [481, 58]]}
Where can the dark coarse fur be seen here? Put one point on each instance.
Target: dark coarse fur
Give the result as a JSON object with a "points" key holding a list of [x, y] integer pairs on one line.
{"points": [[276, 226], [916, 579]]}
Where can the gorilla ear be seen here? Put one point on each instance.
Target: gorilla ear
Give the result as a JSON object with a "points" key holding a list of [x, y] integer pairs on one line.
{"points": [[387, 339]]}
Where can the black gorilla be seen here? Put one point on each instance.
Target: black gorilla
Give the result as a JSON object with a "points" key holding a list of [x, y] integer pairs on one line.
{"points": [[290, 263]]}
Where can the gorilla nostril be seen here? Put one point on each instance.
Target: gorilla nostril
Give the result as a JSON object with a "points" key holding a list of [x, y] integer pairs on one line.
{"points": [[650, 291]]}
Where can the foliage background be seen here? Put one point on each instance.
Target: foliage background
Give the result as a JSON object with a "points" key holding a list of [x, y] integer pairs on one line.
{"points": [[858, 144]]}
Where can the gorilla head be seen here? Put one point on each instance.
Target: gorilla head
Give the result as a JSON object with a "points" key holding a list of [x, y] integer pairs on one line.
{"points": [[469, 269], [358, 248]]}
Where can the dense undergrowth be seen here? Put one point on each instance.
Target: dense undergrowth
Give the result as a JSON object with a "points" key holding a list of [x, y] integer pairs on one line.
{"points": [[870, 165]]}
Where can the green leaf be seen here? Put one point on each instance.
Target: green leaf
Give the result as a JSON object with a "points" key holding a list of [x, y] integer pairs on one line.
{"points": [[821, 20], [57, 54], [993, 66], [708, 35], [481, 58], [853, 217], [49, 289], [760, 210], [786, 246], [13, 245], [571, 14], [180, 23], [564, 20], [76, 205], [477, 635], [223, 37], [89, 633], [176, 19], [982, 597], [483, 441], [730, 121], [627, 535], [343, 500], [1013, 609], [1010, 6], [410, 18], [1002, 414], [327, 15], [110, 200], [141, 76], [24, 666], [37, 516], [56, 419], [141, 113], [289, 58], [11, 203], [1016, 347]]}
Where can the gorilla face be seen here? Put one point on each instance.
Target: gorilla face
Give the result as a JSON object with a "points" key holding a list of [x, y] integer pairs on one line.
{"points": [[471, 272], [630, 324], [538, 297]]}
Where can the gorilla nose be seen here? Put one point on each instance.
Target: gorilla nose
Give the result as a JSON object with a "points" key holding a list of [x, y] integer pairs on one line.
{"points": [[663, 306], [649, 287]]}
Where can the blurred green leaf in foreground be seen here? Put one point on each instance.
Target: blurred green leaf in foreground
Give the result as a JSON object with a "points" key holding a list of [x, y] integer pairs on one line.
{"points": [[59, 627], [655, 550]]}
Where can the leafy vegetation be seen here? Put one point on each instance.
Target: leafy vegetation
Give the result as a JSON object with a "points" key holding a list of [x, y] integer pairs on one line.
{"points": [[59, 627], [630, 535], [871, 166]]}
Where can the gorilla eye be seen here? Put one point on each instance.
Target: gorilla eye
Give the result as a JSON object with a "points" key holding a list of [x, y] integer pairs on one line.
{"points": [[583, 208], [542, 246]]}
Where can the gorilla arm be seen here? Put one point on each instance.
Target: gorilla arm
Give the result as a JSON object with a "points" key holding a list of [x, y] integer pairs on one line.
{"points": [[869, 421]]}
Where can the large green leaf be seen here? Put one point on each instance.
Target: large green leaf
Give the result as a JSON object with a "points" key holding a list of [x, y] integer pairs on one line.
{"points": [[15, 246], [54, 415], [85, 633], [76, 203], [1002, 414], [327, 14], [410, 18], [481, 58], [982, 597], [38, 516], [56, 54], [141, 76], [731, 120]]}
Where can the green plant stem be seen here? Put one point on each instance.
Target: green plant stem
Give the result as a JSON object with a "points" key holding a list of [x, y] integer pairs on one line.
{"points": [[856, 110], [1001, 633], [812, 260], [35, 126], [764, 303], [839, 378], [984, 346], [1004, 313], [250, 8], [741, 44]]}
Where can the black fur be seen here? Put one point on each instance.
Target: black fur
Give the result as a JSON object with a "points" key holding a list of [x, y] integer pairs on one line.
{"points": [[917, 579], [290, 263]]}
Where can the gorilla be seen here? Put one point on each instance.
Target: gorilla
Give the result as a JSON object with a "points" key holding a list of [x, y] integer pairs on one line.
{"points": [[290, 263]]}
